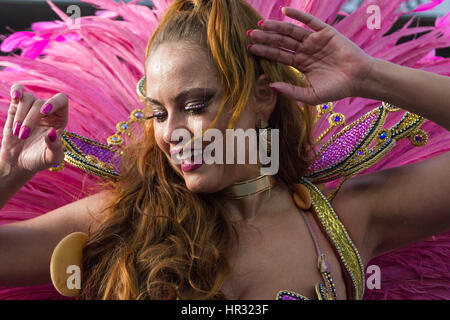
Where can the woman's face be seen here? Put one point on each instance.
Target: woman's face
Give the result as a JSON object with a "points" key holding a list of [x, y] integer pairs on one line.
{"points": [[184, 93]]}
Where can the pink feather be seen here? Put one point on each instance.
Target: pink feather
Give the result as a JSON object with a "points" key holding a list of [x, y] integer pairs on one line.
{"points": [[428, 6], [98, 66]]}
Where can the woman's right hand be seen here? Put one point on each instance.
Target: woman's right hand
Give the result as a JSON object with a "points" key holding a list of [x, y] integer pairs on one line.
{"points": [[32, 133]]}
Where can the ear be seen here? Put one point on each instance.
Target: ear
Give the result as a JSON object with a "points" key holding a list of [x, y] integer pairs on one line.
{"points": [[265, 97]]}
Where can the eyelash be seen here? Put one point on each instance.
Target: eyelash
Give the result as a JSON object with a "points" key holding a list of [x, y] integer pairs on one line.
{"points": [[160, 116]]}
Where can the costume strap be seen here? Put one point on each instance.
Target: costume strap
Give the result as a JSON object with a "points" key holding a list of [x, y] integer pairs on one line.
{"points": [[341, 241], [325, 290]]}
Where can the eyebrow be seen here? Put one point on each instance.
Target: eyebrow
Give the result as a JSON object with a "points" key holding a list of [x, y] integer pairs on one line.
{"points": [[184, 94]]}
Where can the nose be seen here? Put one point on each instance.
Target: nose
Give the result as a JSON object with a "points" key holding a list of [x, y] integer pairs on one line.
{"points": [[175, 127]]}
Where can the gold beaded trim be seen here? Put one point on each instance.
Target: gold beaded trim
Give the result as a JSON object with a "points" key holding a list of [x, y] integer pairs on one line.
{"points": [[125, 128], [363, 157], [326, 290], [334, 120], [293, 294], [347, 251], [419, 138], [390, 107]]}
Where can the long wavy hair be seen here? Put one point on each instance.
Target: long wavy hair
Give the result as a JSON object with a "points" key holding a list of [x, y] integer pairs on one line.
{"points": [[157, 239]]}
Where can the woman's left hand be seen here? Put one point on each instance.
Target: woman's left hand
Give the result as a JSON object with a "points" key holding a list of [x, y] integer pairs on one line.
{"points": [[334, 66]]}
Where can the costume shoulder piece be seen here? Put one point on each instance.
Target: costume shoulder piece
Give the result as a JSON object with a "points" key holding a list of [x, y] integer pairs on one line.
{"points": [[362, 143], [95, 157]]}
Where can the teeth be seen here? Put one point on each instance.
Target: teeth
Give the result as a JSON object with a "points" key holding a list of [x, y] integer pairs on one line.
{"points": [[187, 155]]}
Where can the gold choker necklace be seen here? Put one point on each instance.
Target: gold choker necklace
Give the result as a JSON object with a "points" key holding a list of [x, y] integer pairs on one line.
{"points": [[250, 187]]}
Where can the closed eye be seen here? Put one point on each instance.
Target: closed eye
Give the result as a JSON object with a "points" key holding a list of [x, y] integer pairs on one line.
{"points": [[192, 109]]}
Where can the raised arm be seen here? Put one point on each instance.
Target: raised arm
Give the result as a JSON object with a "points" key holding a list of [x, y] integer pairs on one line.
{"points": [[385, 209], [423, 93], [31, 139], [336, 68], [31, 143]]}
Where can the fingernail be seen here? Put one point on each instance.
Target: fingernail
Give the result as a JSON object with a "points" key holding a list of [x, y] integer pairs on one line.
{"points": [[281, 9], [16, 94], [275, 89], [24, 133], [248, 32], [260, 22], [46, 108], [249, 46], [16, 129], [52, 135]]}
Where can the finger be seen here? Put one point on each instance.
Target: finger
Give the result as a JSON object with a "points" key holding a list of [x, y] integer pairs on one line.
{"points": [[274, 40], [8, 128], [22, 110], [285, 28], [58, 104], [311, 21], [16, 92], [275, 54], [31, 120], [305, 95], [54, 146]]}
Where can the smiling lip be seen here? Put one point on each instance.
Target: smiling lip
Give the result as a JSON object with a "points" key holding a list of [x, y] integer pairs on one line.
{"points": [[188, 167]]}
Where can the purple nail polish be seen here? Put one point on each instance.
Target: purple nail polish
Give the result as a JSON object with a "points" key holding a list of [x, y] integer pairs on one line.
{"points": [[249, 46], [24, 133], [16, 128], [16, 94], [248, 32], [260, 22], [52, 135], [46, 108]]}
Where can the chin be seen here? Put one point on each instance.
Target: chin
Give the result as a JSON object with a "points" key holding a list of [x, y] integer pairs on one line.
{"points": [[202, 181]]}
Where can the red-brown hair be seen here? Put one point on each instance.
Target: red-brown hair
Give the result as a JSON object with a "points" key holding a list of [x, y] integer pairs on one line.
{"points": [[158, 240]]}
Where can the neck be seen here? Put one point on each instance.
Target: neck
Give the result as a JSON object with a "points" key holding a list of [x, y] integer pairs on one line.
{"points": [[251, 208], [250, 187]]}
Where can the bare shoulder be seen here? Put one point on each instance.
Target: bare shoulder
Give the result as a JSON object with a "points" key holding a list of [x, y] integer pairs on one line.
{"points": [[395, 207], [26, 246], [97, 208], [81, 215]]}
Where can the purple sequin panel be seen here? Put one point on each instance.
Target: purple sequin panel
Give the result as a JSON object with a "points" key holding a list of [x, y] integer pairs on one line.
{"points": [[285, 296], [342, 146], [101, 153]]}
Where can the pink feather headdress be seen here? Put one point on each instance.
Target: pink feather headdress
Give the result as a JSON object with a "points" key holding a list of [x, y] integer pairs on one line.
{"points": [[98, 65]]}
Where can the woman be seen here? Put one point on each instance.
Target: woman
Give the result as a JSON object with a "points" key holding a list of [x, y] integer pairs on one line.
{"points": [[179, 238]]}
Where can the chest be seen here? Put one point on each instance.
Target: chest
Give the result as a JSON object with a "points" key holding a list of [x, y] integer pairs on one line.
{"points": [[280, 256]]}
